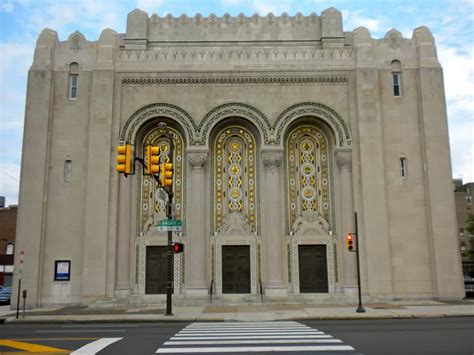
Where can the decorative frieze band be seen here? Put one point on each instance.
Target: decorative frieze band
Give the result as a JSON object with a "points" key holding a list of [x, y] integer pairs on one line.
{"points": [[237, 80], [235, 54]]}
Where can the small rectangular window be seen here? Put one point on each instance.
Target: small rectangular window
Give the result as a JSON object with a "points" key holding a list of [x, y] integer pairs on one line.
{"points": [[396, 84], [403, 167], [73, 85], [469, 200]]}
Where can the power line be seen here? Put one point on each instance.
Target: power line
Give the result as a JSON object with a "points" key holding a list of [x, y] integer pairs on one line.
{"points": [[11, 177]]}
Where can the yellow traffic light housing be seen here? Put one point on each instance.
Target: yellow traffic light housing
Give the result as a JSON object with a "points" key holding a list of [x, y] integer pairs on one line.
{"points": [[350, 241], [124, 159], [152, 160], [166, 174]]}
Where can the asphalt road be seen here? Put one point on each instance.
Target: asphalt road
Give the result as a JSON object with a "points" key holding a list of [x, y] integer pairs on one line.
{"points": [[451, 336]]}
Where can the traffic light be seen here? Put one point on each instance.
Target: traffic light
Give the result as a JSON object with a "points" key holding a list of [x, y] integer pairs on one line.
{"points": [[178, 248], [152, 160], [166, 174], [350, 241], [124, 159]]}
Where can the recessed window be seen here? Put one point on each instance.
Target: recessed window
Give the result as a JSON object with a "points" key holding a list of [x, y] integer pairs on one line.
{"points": [[9, 250], [396, 84], [67, 169], [396, 78], [403, 167], [469, 200], [73, 81]]}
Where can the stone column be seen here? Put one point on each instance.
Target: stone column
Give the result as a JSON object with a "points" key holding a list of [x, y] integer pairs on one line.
{"points": [[196, 226], [122, 285], [344, 162], [274, 233]]}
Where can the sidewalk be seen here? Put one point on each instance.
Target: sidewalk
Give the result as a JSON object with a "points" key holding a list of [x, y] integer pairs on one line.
{"points": [[254, 312]]}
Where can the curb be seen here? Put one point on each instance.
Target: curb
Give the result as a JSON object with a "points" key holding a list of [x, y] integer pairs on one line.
{"points": [[190, 320]]}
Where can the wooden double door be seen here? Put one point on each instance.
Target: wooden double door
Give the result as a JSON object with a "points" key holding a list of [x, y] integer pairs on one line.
{"points": [[313, 270], [236, 269], [156, 269]]}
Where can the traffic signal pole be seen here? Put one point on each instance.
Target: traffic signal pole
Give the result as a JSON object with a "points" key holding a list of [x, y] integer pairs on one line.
{"points": [[360, 308], [169, 214]]}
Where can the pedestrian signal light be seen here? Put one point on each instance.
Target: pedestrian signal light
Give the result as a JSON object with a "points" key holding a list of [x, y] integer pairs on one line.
{"points": [[178, 248], [152, 160], [166, 174], [350, 241], [124, 159]]}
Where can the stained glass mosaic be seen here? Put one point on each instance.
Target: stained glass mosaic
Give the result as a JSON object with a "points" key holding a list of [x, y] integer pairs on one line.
{"points": [[307, 173], [235, 183], [153, 203]]}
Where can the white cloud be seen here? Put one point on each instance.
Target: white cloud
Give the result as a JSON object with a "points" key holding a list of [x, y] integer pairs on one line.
{"points": [[459, 86], [354, 19], [150, 6], [232, 2], [263, 7]]}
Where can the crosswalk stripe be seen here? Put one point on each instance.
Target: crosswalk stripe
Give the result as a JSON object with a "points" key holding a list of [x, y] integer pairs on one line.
{"points": [[256, 341], [241, 337], [244, 329], [254, 349], [246, 333], [176, 337], [95, 346]]}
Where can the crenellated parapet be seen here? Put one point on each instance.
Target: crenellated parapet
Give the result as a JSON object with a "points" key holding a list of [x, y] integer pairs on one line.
{"points": [[144, 31], [223, 43]]}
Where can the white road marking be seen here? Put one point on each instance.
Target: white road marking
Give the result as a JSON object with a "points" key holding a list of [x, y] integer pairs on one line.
{"points": [[257, 341], [254, 349], [95, 346], [240, 337], [247, 333], [253, 330], [176, 337]]}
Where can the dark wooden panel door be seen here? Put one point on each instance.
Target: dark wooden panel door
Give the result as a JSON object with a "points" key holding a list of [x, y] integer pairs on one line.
{"points": [[236, 269], [313, 268], [156, 270]]}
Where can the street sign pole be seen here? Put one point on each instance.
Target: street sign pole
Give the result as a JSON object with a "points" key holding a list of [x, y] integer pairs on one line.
{"points": [[20, 276]]}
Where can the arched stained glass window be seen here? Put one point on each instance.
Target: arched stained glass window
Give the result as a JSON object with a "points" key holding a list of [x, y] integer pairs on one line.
{"points": [[235, 184], [308, 173]]}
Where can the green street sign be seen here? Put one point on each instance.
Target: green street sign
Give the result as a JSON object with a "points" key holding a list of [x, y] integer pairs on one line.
{"points": [[174, 225]]}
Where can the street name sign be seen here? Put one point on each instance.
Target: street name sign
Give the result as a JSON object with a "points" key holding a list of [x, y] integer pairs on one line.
{"points": [[173, 225]]}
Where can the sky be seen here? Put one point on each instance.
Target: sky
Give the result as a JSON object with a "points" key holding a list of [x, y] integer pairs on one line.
{"points": [[21, 21]]}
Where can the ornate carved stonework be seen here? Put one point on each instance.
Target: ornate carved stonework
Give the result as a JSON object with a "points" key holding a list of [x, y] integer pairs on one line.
{"points": [[272, 158], [310, 223], [237, 80], [344, 158], [197, 159], [235, 223]]}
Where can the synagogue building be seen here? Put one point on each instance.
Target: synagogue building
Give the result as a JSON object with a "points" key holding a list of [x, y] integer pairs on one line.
{"points": [[282, 128]]}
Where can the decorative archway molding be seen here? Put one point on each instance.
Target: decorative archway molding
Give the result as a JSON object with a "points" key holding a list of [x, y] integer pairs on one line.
{"points": [[307, 109], [140, 117], [224, 111]]}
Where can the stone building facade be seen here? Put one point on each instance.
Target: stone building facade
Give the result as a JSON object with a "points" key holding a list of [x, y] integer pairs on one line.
{"points": [[283, 127], [463, 201]]}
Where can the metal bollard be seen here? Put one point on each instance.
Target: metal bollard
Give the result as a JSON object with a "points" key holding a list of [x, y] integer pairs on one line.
{"points": [[25, 293]]}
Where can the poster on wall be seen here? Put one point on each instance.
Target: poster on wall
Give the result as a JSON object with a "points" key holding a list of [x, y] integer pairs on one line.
{"points": [[62, 270]]}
